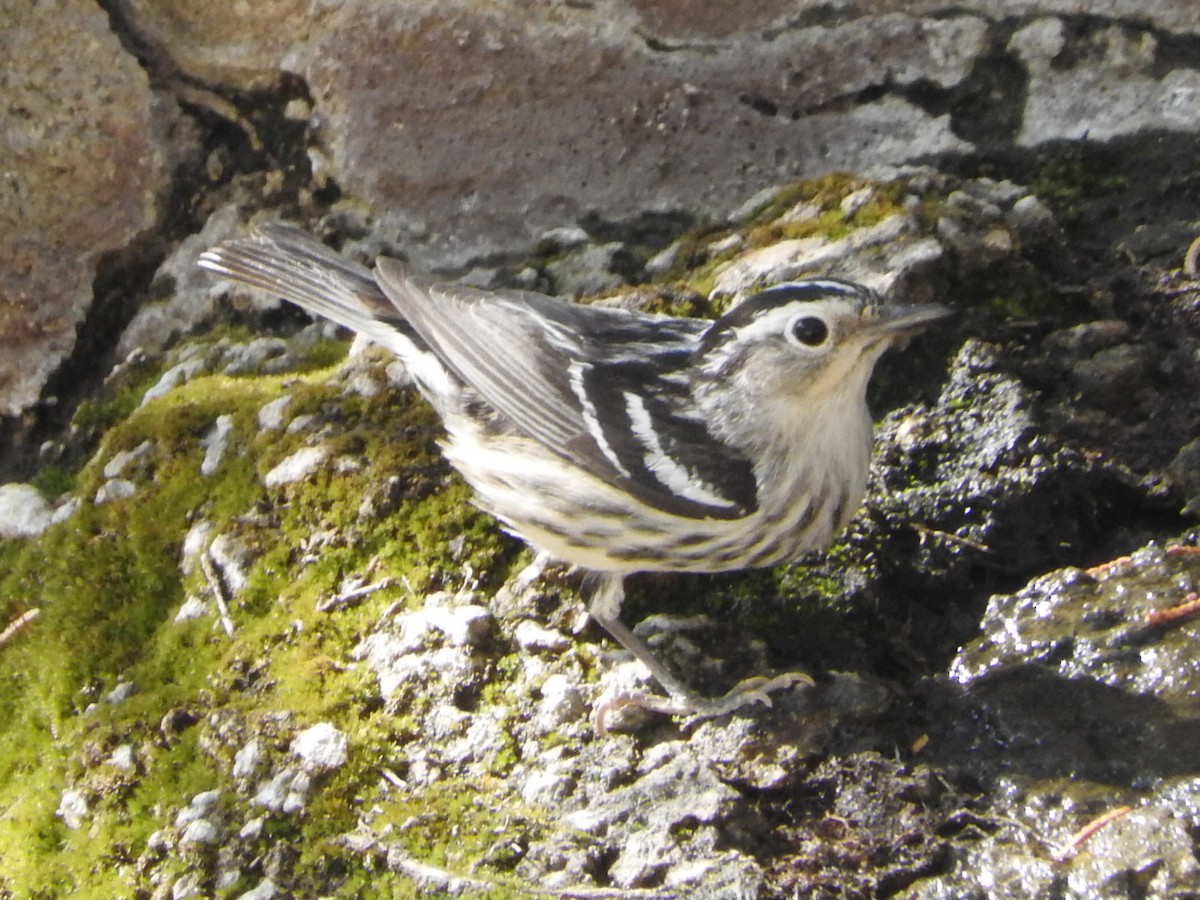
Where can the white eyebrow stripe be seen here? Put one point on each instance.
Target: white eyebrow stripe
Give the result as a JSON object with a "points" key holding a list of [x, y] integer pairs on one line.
{"points": [[677, 478]]}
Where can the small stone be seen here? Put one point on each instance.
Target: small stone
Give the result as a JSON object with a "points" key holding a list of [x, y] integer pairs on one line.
{"points": [[122, 758], [232, 558], [285, 792], [856, 200], [216, 444], [462, 626], [296, 467], [115, 489], [203, 803], [200, 831], [260, 355], [301, 423], [1030, 216], [756, 204], [252, 829], [190, 885], [724, 245], [532, 636], [193, 608], [321, 747], [65, 511], [193, 544], [271, 416], [1111, 376], [72, 808], [664, 260], [174, 377], [120, 693], [589, 270], [547, 789], [123, 459], [24, 512], [561, 703], [264, 890], [562, 238], [247, 760]]}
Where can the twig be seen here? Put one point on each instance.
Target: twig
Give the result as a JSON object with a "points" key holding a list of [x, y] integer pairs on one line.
{"points": [[17, 624], [348, 598], [1172, 614], [220, 591], [1084, 834], [1191, 259], [926, 532]]}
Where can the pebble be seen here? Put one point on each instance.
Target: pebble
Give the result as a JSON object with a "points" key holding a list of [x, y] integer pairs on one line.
{"points": [[272, 415], [115, 489], [532, 636], [216, 444], [247, 760], [24, 512], [296, 467], [321, 747], [72, 808]]}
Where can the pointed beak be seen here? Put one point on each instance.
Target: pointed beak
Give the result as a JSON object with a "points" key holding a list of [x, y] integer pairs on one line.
{"points": [[894, 324]]}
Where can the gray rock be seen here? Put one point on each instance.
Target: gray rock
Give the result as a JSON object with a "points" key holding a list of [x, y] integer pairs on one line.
{"points": [[192, 300], [24, 512], [1112, 83], [321, 747], [194, 543], [64, 512], [200, 806], [178, 374], [273, 414], [247, 761], [122, 758], [126, 461], [285, 792], [114, 489], [86, 165], [590, 270], [192, 608], [562, 702], [120, 693], [232, 558], [200, 831], [530, 636], [265, 355], [216, 443], [264, 890], [73, 808], [190, 885], [296, 467]]}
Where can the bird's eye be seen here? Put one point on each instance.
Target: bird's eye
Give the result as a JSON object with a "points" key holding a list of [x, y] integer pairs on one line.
{"points": [[810, 331]]}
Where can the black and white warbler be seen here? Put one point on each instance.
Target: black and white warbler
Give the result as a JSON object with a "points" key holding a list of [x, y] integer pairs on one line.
{"points": [[619, 441]]}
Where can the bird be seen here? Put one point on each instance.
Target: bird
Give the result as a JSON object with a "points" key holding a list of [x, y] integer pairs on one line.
{"points": [[621, 441]]}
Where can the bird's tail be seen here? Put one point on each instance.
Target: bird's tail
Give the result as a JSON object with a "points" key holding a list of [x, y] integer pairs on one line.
{"points": [[288, 262]]}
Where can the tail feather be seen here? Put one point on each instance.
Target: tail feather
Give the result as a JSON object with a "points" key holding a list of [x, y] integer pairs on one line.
{"points": [[286, 261]]}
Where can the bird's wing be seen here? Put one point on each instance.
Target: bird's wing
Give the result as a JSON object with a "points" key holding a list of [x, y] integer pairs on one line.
{"points": [[600, 387]]}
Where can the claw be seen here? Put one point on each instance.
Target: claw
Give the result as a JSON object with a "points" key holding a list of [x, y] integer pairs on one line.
{"points": [[696, 708]]}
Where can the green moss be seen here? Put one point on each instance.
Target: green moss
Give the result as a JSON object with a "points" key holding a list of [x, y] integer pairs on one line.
{"points": [[1071, 175]]}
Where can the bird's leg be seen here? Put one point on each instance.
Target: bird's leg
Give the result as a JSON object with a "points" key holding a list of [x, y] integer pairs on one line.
{"points": [[604, 605]]}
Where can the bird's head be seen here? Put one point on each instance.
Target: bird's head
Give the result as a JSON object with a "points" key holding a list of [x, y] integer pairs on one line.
{"points": [[813, 338]]}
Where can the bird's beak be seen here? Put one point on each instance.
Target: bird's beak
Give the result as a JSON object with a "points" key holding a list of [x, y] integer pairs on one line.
{"points": [[895, 324]]}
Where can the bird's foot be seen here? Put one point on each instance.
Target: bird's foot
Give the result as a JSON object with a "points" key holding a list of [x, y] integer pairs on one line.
{"points": [[682, 702]]}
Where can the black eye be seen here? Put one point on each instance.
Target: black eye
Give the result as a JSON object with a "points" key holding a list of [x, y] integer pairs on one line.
{"points": [[810, 331]]}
